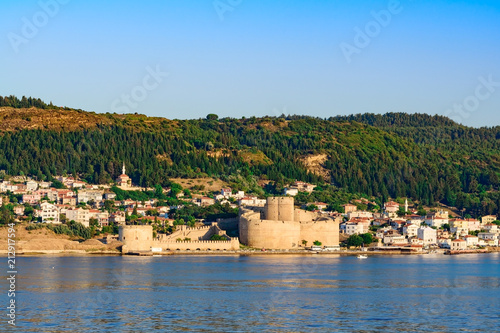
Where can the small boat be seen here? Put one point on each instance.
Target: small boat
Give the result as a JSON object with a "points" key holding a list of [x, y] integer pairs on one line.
{"points": [[362, 256]]}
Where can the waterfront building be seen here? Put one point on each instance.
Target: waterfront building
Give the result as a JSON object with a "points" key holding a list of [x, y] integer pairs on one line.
{"points": [[458, 244], [428, 235]]}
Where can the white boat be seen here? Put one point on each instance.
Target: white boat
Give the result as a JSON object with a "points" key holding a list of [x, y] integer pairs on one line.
{"points": [[362, 256]]}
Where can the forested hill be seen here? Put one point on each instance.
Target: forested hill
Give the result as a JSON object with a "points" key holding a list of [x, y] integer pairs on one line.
{"points": [[392, 119], [426, 158]]}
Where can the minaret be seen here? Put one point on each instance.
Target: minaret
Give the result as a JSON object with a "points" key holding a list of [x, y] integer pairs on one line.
{"points": [[123, 168], [406, 204]]}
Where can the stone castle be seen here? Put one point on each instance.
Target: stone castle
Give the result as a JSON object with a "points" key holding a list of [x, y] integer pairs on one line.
{"points": [[280, 226], [277, 225]]}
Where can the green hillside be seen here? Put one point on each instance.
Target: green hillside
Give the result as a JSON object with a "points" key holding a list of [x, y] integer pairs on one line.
{"points": [[427, 158]]}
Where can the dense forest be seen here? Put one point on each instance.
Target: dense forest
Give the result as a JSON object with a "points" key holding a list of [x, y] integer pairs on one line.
{"points": [[427, 158], [24, 102]]}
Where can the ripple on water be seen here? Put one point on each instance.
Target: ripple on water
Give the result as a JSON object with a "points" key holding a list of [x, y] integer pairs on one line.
{"points": [[277, 294]]}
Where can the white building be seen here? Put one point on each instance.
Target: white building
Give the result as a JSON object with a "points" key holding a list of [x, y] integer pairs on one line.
{"points": [[395, 239], [436, 221], [444, 243], [428, 235], [361, 214], [79, 215], [31, 185], [487, 236], [86, 196], [291, 191], [490, 227], [44, 184], [411, 230], [471, 241], [458, 244], [101, 217], [252, 201], [49, 213], [352, 228], [488, 219]]}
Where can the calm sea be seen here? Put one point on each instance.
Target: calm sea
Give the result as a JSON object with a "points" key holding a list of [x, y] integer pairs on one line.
{"points": [[433, 293]]}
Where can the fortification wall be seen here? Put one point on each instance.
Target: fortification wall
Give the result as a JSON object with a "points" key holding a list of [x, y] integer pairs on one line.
{"points": [[197, 233], [304, 215], [326, 231], [136, 238], [228, 224], [269, 234], [203, 245]]}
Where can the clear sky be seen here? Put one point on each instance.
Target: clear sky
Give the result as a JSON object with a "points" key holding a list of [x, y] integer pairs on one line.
{"points": [[256, 57]]}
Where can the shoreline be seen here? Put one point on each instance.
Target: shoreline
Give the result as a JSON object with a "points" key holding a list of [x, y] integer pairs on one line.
{"points": [[39, 253]]}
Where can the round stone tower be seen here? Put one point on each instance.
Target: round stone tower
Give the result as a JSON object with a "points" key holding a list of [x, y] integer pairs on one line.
{"points": [[279, 209], [136, 238], [271, 209], [285, 209]]}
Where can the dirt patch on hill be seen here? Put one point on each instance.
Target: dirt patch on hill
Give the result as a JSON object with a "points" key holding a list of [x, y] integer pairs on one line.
{"points": [[218, 153], [314, 163], [50, 119], [47, 240], [210, 184]]}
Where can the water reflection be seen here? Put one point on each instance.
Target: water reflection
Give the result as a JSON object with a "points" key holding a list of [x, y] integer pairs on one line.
{"points": [[259, 293]]}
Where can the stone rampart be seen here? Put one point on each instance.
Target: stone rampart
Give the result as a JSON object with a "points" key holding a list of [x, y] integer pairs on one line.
{"points": [[204, 245]]}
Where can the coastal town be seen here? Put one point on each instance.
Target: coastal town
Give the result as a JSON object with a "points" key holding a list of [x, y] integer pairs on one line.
{"points": [[396, 226]]}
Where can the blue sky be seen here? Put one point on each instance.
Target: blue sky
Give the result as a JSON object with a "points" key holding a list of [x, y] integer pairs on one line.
{"points": [[253, 58]]}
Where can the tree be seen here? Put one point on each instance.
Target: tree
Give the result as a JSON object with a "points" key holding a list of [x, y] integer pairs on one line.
{"points": [[317, 243], [175, 189], [355, 240], [446, 226], [367, 238], [6, 216], [212, 116], [93, 222], [57, 184], [109, 205], [159, 192], [216, 237], [401, 211], [28, 210], [311, 207], [304, 242], [421, 212]]}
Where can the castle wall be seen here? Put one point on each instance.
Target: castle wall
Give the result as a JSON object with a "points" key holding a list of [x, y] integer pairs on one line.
{"points": [[198, 233], [304, 215], [327, 232], [269, 234], [228, 224], [136, 238], [203, 245]]}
